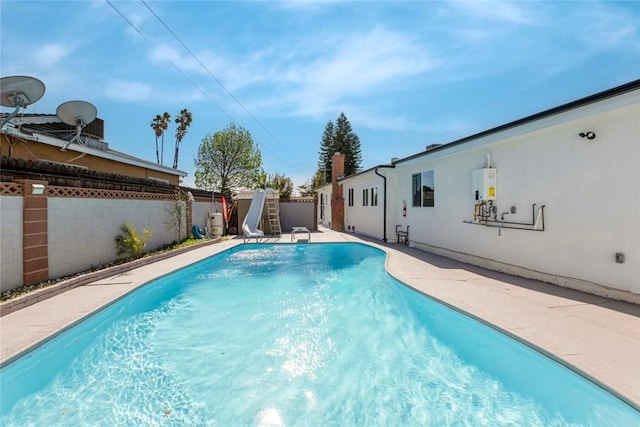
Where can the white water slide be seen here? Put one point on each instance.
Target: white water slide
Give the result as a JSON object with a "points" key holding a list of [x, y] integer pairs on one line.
{"points": [[252, 220]]}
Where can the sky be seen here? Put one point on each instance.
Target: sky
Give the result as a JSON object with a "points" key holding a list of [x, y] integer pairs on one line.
{"points": [[406, 74]]}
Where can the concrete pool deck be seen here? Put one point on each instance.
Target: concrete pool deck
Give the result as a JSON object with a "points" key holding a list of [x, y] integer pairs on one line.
{"points": [[594, 335]]}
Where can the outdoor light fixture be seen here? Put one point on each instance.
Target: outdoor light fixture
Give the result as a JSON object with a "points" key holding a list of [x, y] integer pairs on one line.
{"points": [[588, 135], [37, 189]]}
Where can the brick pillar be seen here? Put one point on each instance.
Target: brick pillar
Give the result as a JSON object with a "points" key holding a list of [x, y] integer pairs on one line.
{"points": [[189, 213], [35, 241], [337, 200]]}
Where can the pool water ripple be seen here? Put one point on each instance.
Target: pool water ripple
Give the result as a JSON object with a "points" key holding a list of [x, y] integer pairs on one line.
{"points": [[298, 335]]}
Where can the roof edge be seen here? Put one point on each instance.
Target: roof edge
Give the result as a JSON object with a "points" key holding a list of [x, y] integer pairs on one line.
{"points": [[591, 99]]}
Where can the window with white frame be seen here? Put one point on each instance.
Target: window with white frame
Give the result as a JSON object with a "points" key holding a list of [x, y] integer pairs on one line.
{"points": [[423, 189], [374, 196], [365, 197], [350, 195]]}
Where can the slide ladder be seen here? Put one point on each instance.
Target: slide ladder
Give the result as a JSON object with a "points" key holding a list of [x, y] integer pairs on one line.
{"points": [[273, 211]]}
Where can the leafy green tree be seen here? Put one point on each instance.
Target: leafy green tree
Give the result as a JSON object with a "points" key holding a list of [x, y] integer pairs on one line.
{"points": [[227, 160], [339, 138], [183, 121], [281, 183], [318, 180], [306, 189]]}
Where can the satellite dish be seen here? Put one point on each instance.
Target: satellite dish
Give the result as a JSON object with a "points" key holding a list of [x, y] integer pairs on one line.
{"points": [[78, 114], [19, 92]]}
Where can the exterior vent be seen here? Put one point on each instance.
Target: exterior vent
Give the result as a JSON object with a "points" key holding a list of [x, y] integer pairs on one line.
{"points": [[394, 159], [433, 146]]}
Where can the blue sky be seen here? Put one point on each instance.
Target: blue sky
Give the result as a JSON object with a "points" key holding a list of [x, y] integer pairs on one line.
{"points": [[406, 74]]}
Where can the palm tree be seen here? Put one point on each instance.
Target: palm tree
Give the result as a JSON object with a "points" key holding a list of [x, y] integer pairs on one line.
{"points": [[166, 118], [156, 125], [184, 121]]}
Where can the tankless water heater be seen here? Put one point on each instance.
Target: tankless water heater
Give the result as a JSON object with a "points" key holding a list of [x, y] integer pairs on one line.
{"points": [[485, 184]]}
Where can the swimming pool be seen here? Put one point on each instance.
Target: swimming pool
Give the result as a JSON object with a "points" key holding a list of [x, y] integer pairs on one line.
{"points": [[313, 334]]}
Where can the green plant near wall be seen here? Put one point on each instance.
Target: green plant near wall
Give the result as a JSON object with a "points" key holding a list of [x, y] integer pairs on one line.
{"points": [[129, 243], [176, 210]]}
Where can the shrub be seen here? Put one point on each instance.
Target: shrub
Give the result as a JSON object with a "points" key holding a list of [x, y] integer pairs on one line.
{"points": [[176, 210], [129, 243]]}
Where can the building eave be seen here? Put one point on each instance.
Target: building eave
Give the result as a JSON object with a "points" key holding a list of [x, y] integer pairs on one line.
{"points": [[113, 155]]}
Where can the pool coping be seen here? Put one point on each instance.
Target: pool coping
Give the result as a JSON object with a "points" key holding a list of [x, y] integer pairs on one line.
{"points": [[596, 337]]}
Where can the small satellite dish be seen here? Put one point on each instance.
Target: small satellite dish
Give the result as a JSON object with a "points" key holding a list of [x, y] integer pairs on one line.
{"points": [[19, 92], [78, 114]]}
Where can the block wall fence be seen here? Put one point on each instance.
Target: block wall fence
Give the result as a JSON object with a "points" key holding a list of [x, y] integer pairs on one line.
{"points": [[50, 231]]}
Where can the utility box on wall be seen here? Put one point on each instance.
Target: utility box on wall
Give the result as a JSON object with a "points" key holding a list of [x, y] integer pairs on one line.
{"points": [[485, 184]]}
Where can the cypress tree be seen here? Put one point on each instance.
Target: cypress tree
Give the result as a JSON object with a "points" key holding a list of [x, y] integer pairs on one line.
{"points": [[327, 151], [339, 138], [347, 143]]}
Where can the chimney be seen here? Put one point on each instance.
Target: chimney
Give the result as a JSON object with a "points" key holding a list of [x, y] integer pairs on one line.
{"points": [[337, 202]]}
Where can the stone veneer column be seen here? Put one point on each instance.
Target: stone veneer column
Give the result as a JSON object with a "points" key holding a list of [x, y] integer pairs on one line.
{"points": [[35, 241], [337, 200]]}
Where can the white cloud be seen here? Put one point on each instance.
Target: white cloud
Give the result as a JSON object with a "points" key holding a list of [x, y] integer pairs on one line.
{"points": [[312, 77], [605, 27], [320, 79], [128, 91], [493, 11], [50, 55], [366, 61]]}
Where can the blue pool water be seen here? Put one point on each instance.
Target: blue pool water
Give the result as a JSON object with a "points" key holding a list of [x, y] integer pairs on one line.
{"points": [[296, 335]]}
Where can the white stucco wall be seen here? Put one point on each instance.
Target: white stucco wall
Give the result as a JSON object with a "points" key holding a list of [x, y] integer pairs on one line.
{"points": [[11, 242], [362, 219], [82, 230], [590, 189], [296, 214], [326, 193]]}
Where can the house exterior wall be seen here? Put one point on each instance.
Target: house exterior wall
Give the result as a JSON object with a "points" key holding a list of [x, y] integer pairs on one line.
{"points": [[589, 188], [324, 205], [31, 150], [363, 219], [11, 242]]}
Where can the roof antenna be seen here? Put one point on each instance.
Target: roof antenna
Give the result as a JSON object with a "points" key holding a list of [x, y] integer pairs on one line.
{"points": [[78, 114], [19, 92]]}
